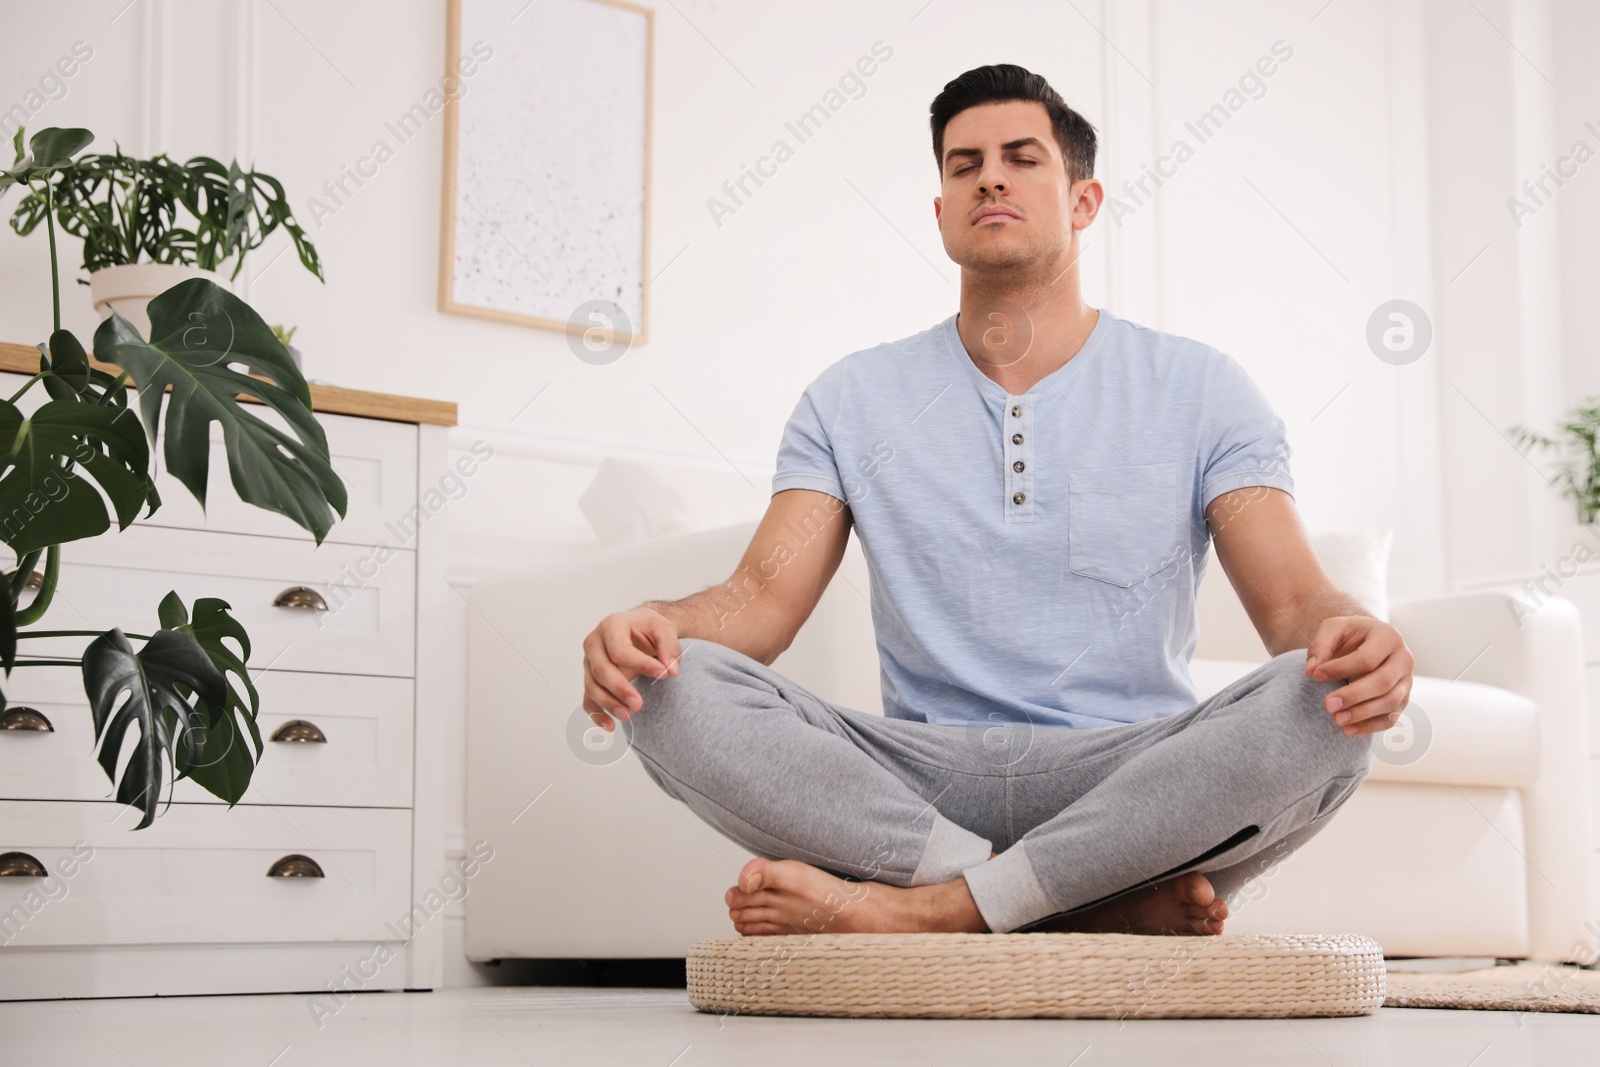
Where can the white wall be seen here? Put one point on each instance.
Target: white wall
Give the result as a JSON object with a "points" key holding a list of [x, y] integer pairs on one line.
{"points": [[1375, 165]]}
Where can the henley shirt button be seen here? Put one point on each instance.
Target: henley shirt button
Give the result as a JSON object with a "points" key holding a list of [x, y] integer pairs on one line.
{"points": [[1017, 466], [1016, 411], [1016, 438], [1017, 498]]}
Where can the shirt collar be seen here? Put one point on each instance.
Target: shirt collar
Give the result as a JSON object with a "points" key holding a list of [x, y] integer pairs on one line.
{"points": [[991, 388]]}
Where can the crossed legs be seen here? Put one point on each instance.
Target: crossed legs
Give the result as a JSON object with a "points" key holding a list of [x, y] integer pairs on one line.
{"points": [[866, 823]]}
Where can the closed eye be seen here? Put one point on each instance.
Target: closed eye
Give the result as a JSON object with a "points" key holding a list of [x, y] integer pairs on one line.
{"points": [[969, 166]]}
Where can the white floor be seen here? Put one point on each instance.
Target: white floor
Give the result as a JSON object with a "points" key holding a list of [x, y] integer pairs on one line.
{"points": [[486, 1027]]}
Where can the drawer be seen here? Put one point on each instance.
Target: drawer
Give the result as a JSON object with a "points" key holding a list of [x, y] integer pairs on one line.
{"points": [[365, 761], [376, 459], [118, 579], [199, 874]]}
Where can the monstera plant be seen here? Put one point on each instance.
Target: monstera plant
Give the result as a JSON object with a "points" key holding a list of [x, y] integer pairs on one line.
{"points": [[83, 458], [128, 210]]}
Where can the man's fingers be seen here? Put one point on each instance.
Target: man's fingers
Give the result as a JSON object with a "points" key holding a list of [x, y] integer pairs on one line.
{"points": [[611, 664], [664, 638], [625, 656], [1363, 659], [1371, 715], [600, 718], [1366, 687], [1374, 725], [1329, 641], [602, 697]]}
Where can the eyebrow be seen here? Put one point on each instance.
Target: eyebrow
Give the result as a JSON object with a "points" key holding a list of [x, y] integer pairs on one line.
{"points": [[1020, 142]]}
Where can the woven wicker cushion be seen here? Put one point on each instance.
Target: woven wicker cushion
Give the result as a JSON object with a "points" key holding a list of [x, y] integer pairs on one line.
{"points": [[1007, 976]]}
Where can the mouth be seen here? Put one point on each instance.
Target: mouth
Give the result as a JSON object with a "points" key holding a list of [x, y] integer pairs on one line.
{"points": [[995, 214]]}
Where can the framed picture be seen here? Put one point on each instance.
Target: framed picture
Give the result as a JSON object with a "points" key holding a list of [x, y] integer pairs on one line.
{"points": [[546, 192]]}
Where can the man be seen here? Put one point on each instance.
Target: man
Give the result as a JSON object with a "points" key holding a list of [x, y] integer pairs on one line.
{"points": [[1034, 483]]}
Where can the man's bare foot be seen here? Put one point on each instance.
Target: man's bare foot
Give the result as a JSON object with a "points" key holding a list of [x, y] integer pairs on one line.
{"points": [[790, 897], [1185, 905]]}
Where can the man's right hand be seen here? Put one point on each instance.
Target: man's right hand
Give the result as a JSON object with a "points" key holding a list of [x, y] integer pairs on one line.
{"points": [[626, 644]]}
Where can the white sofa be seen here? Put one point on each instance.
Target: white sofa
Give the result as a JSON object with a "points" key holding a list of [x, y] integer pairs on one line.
{"points": [[1480, 845]]}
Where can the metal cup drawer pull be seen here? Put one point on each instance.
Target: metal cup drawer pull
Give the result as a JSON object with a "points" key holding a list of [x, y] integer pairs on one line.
{"points": [[20, 865], [30, 719], [301, 732], [295, 866], [300, 596]]}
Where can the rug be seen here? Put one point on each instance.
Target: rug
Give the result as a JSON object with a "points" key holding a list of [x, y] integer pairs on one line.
{"points": [[1541, 987]]}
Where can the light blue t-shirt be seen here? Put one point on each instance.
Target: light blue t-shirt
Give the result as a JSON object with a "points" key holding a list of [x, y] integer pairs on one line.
{"points": [[1034, 558]]}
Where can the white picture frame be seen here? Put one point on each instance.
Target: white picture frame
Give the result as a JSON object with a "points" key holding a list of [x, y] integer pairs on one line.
{"points": [[546, 194]]}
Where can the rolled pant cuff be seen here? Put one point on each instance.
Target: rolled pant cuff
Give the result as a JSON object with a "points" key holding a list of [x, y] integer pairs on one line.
{"points": [[1008, 892], [950, 850]]}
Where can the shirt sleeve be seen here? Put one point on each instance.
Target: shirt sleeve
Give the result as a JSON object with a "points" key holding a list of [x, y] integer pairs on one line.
{"points": [[1245, 443], [805, 455]]}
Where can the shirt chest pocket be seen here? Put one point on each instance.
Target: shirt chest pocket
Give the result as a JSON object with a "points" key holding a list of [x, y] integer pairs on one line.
{"points": [[1122, 522]]}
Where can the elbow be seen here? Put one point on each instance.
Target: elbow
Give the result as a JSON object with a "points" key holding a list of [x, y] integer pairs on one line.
{"points": [[773, 650]]}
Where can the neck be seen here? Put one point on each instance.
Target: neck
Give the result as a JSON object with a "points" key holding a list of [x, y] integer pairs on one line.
{"points": [[1021, 324]]}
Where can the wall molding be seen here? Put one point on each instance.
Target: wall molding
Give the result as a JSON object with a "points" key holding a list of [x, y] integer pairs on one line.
{"points": [[1128, 138], [244, 92], [152, 43]]}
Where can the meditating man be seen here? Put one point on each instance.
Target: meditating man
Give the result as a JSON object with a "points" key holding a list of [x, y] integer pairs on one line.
{"points": [[1035, 483]]}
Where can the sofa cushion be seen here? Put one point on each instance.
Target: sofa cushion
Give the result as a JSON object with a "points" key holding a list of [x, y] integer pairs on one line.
{"points": [[1452, 733], [1357, 562], [631, 500]]}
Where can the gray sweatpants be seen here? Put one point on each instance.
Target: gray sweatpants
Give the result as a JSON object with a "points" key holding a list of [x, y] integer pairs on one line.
{"points": [[1229, 787]]}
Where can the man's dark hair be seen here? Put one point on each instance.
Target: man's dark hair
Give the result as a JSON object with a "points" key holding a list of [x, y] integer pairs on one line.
{"points": [[1000, 82]]}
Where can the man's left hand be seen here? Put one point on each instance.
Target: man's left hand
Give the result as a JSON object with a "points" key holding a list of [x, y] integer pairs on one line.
{"points": [[1373, 657]]}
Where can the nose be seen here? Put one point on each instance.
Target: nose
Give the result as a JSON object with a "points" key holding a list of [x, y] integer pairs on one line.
{"points": [[991, 176]]}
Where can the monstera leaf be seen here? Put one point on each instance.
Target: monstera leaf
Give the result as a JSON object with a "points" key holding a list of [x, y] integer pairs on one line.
{"points": [[67, 374], [43, 499], [198, 332], [224, 768], [65, 360], [164, 689], [48, 150]]}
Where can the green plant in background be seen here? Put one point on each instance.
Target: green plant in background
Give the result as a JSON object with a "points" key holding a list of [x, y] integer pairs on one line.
{"points": [[157, 210], [1579, 476], [82, 457], [284, 335]]}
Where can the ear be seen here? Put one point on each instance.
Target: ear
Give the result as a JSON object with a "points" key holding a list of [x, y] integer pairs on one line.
{"points": [[1086, 201]]}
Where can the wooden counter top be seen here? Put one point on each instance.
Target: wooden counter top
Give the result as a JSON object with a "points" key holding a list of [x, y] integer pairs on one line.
{"points": [[331, 399]]}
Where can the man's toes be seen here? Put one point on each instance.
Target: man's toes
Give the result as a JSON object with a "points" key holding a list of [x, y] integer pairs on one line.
{"points": [[754, 915], [1195, 888], [738, 898], [748, 929], [753, 875]]}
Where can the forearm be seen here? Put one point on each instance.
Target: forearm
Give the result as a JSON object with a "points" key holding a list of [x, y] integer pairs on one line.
{"points": [[778, 582], [721, 614], [1297, 624]]}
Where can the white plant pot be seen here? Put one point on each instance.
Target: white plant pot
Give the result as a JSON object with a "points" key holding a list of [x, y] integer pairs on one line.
{"points": [[128, 288]]}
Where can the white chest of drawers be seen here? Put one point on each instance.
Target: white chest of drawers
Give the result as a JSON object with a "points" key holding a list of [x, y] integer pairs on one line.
{"points": [[188, 906]]}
